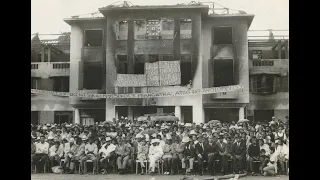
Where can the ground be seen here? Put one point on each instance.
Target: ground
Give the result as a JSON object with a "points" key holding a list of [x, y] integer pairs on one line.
{"points": [[135, 177]]}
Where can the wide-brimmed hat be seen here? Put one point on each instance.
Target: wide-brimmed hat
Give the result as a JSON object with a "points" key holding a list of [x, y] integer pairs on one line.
{"points": [[139, 136], [84, 138], [193, 132], [154, 141], [186, 139], [108, 139]]}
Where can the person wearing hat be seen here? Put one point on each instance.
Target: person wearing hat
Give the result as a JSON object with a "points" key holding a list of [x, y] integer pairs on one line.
{"points": [[155, 153], [123, 152], [91, 152], [211, 151], [222, 153], [142, 153], [239, 154], [69, 152], [42, 151], [107, 155], [188, 155], [78, 155], [167, 154], [282, 152], [55, 154]]}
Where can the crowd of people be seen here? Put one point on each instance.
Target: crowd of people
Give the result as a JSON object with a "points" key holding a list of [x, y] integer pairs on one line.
{"points": [[248, 147]]}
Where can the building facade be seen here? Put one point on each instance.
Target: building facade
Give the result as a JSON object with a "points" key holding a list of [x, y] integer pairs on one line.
{"points": [[142, 49], [50, 70], [269, 79]]}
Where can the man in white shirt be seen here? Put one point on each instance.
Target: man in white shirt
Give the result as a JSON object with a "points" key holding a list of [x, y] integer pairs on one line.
{"points": [[42, 151], [55, 154], [91, 152], [106, 154], [69, 152], [282, 153], [270, 168], [155, 153]]}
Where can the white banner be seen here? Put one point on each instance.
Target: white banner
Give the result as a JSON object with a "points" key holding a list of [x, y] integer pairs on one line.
{"points": [[144, 95]]}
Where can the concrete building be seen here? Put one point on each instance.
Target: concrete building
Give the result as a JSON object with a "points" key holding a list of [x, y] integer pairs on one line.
{"points": [[269, 79], [142, 49], [50, 70]]}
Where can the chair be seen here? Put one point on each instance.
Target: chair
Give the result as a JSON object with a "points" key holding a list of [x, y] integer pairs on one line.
{"points": [[158, 167], [87, 161], [137, 164], [44, 168], [256, 162]]}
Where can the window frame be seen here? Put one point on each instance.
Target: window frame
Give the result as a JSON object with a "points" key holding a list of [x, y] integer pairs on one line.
{"points": [[84, 37]]}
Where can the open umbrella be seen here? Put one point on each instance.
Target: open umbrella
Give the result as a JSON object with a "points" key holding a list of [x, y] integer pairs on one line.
{"points": [[243, 121], [148, 131], [213, 121], [107, 122]]}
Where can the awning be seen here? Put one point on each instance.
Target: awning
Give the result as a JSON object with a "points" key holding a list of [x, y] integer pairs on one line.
{"points": [[50, 104]]}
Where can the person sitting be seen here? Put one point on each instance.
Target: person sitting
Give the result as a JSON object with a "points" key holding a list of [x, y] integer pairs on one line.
{"points": [[200, 154], [142, 153], [41, 155], [33, 151], [222, 153], [167, 157], [78, 154], [55, 155], [269, 163], [91, 152], [69, 151], [282, 152], [177, 154], [155, 153], [239, 153], [106, 154], [210, 150], [123, 152], [254, 153], [189, 155]]}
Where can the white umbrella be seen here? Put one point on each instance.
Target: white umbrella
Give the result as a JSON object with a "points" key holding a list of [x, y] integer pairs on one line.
{"points": [[243, 121]]}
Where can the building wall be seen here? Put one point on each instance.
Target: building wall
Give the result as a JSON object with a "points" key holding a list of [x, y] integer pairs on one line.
{"points": [[46, 117]]}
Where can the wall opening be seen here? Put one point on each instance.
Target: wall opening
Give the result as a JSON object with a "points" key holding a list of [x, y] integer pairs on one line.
{"points": [[263, 83], [90, 116], [63, 117], [60, 84], [140, 28], [186, 69], [35, 83], [222, 35], [263, 115], [122, 65], [92, 75], [139, 60], [167, 57], [223, 73], [35, 117], [222, 114], [153, 58], [185, 28], [93, 38]]}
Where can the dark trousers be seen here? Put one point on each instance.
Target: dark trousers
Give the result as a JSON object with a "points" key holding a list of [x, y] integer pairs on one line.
{"points": [[40, 164], [107, 162], [174, 164], [224, 162], [54, 161], [200, 164], [211, 164], [167, 164], [238, 163]]}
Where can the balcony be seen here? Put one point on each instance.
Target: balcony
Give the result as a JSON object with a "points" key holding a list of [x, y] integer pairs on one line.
{"points": [[49, 69], [226, 95], [269, 66]]}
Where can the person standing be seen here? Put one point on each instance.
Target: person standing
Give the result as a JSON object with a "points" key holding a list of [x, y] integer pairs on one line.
{"points": [[41, 155], [155, 153], [91, 152]]}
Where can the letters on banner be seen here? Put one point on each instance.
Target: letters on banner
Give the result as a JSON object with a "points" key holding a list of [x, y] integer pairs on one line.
{"points": [[144, 95]]}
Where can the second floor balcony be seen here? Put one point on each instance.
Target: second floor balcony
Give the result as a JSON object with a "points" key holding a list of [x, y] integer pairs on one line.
{"points": [[49, 69], [269, 66]]}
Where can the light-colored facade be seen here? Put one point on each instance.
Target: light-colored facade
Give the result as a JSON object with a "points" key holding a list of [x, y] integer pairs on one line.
{"points": [[50, 70], [269, 79], [131, 37]]}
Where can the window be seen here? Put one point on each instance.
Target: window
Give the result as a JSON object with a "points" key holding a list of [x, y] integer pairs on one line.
{"points": [[35, 83], [185, 28], [122, 67], [222, 35], [92, 76], [223, 74], [63, 117], [139, 60], [256, 54], [262, 83], [186, 69], [122, 30], [167, 30], [140, 28], [167, 57], [283, 84], [61, 84], [153, 58], [93, 38]]}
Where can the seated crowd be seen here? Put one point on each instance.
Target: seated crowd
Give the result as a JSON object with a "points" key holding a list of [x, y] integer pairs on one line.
{"points": [[124, 145]]}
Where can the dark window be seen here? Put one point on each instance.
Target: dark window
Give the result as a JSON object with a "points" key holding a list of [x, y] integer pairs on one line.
{"points": [[283, 84], [186, 69], [223, 74], [153, 58], [222, 35], [92, 76], [35, 117], [93, 38], [61, 84], [262, 83], [276, 55], [139, 60], [35, 83], [256, 54], [263, 115], [122, 67], [185, 28], [122, 30], [63, 117], [167, 57]]}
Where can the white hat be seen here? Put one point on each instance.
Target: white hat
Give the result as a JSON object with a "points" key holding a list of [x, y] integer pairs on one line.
{"points": [[47, 124], [71, 140], [108, 139], [153, 141], [38, 138], [44, 127], [168, 136], [50, 137], [167, 127], [122, 117], [141, 128], [139, 135], [126, 118], [162, 128], [157, 125], [192, 132], [185, 139], [277, 141], [154, 135], [84, 137], [188, 125]]}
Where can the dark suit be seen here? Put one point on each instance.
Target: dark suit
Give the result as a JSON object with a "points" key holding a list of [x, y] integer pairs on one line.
{"points": [[210, 152], [200, 151], [189, 155], [239, 155], [222, 149]]}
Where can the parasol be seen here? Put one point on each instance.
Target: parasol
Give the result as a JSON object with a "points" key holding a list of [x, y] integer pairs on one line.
{"points": [[148, 131], [243, 121], [108, 122], [213, 121]]}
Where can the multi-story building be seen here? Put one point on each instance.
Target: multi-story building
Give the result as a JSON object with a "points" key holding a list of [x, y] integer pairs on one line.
{"points": [[142, 49], [50, 70], [269, 83]]}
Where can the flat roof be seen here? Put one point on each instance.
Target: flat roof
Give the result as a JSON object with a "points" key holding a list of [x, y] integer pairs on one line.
{"points": [[248, 17], [77, 20]]}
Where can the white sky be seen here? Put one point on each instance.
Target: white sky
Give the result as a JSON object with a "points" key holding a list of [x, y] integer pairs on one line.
{"points": [[47, 15]]}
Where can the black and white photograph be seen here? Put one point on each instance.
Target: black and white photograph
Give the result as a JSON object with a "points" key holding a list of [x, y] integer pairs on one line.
{"points": [[159, 90]]}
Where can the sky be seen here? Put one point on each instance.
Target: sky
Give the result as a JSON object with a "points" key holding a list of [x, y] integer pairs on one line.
{"points": [[47, 15]]}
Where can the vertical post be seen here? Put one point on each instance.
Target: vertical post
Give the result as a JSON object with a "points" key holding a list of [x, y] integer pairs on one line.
{"points": [[76, 116], [177, 112], [241, 113], [49, 54], [42, 54], [279, 49], [130, 112]]}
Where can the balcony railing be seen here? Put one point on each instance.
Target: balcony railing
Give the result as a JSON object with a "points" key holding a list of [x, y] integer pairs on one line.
{"points": [[50, 69], [269, 66]]}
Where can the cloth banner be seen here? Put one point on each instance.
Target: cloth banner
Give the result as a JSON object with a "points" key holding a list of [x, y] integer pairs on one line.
{"points": [[144, 95]]}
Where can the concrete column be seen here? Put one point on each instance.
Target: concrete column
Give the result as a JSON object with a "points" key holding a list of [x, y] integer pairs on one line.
{"points": [[197, 114], [42, 54], [116, 113], [177, 112], [130, 112], [49, 54], [110, 110], [241, 113], [76, 116]]}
